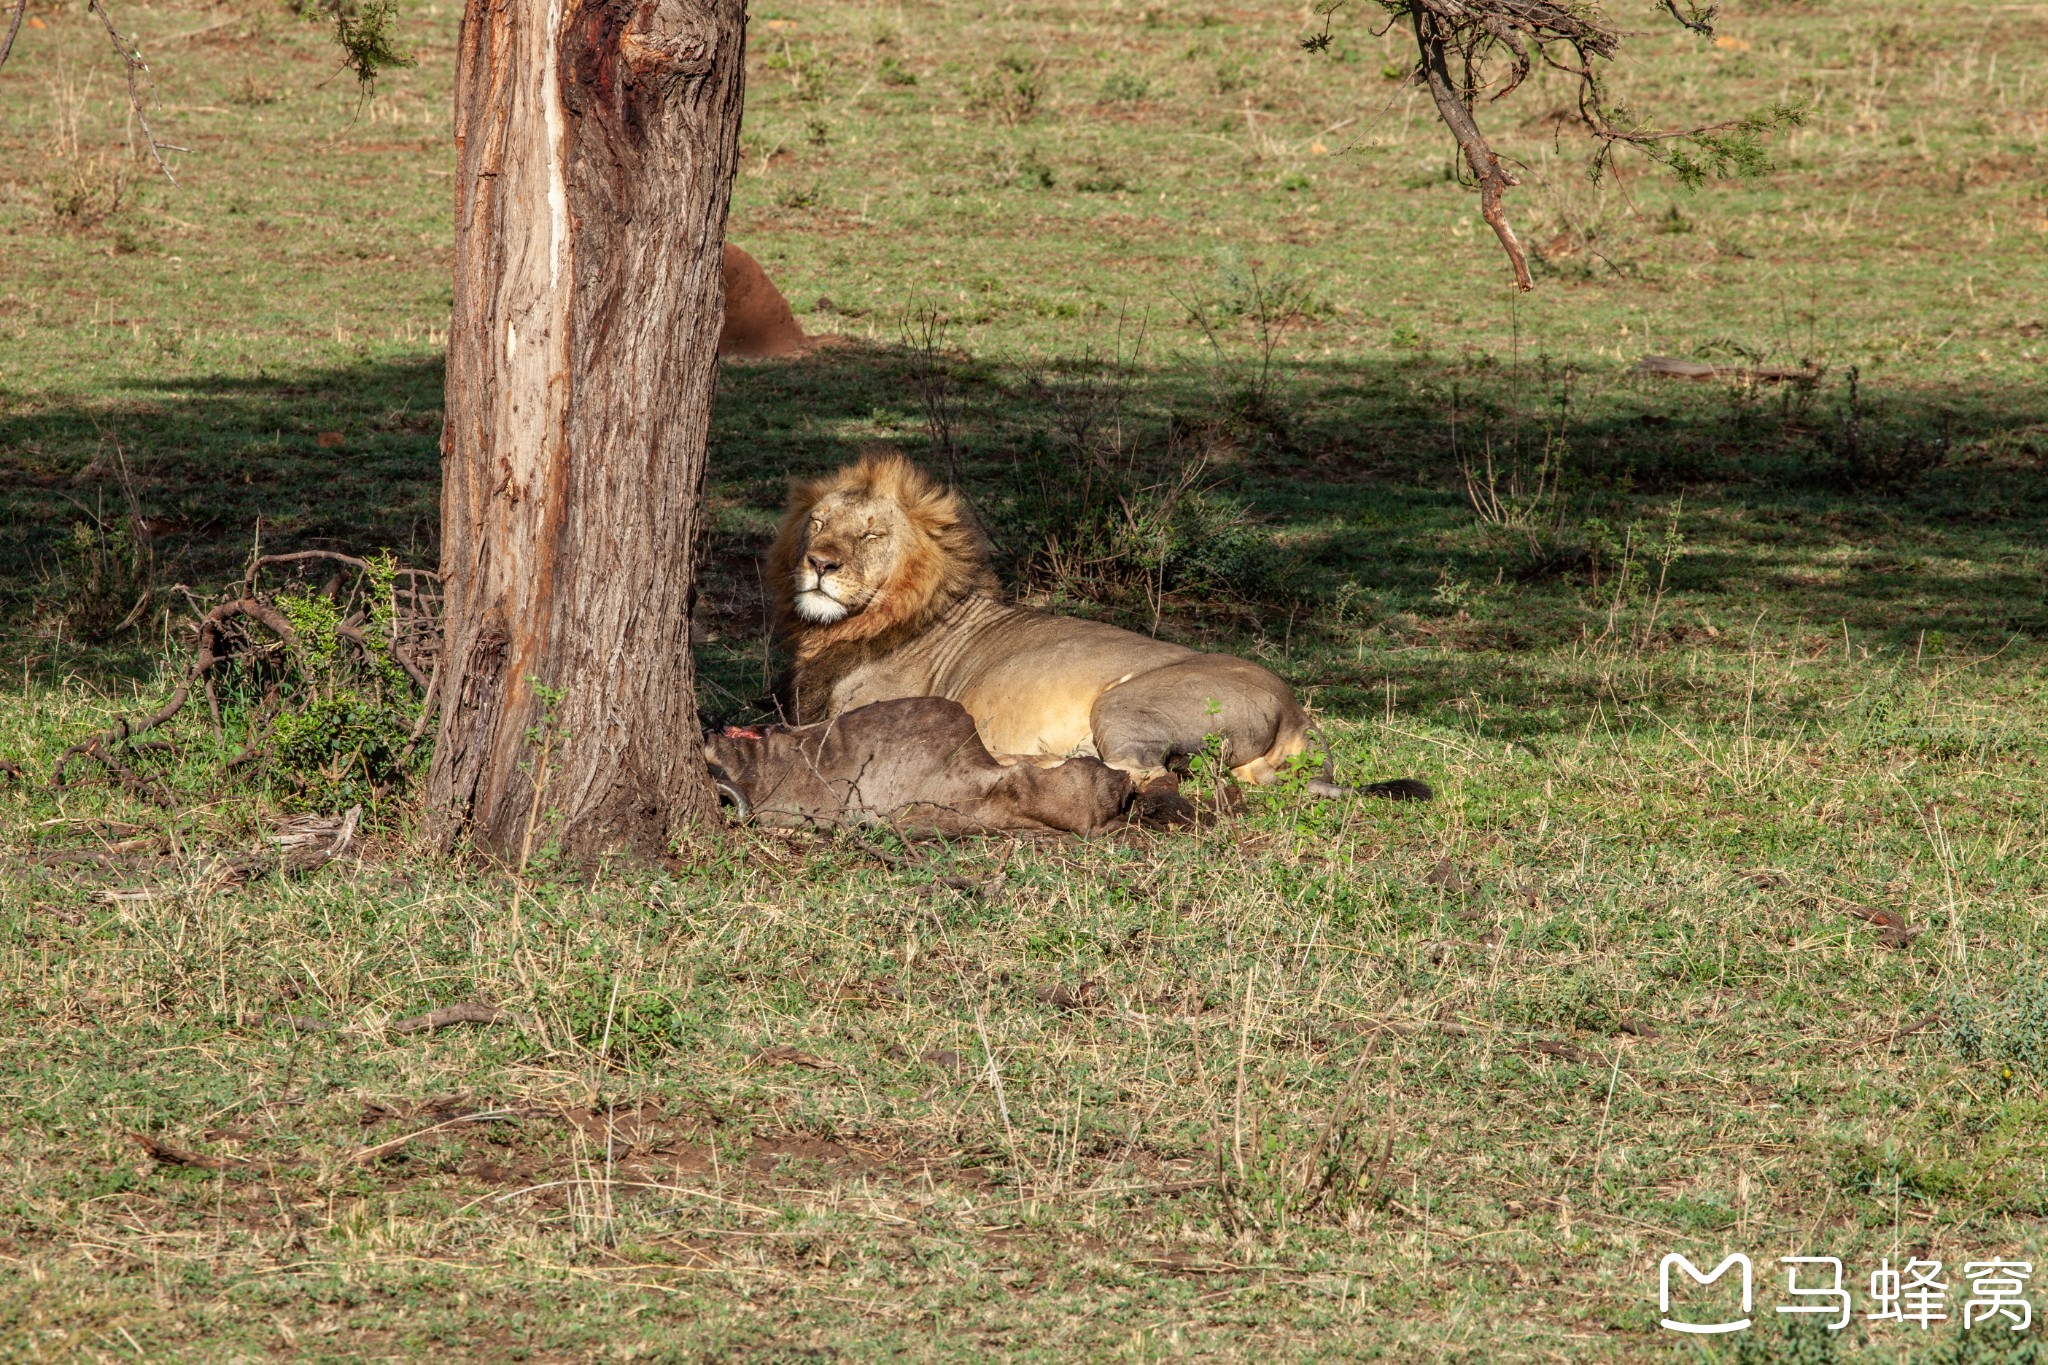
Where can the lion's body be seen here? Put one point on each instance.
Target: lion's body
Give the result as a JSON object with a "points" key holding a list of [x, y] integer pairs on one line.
{"points": [[884, 590]]}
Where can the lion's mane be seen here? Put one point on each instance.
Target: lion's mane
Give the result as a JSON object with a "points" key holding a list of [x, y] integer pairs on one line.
{"points": [[946, 558]]}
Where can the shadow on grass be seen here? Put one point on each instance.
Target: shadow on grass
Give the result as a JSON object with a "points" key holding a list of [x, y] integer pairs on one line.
{"points": [[1353, 467]]}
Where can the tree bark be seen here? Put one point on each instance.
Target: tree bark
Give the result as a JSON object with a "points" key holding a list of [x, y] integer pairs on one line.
{"points": [[595, 147]]}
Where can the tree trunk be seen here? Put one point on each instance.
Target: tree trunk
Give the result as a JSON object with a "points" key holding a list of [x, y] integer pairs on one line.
{"points": [[595, 147]]}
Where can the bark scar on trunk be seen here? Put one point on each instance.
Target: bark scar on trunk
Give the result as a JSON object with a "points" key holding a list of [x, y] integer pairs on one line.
{"points": [[679, 55], [475, 716]]}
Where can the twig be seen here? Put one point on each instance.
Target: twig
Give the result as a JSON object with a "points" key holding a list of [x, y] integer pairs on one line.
{"points": [[1600, 1143], [305, 1023], [203, 660], [132, 59], [1701, 21], [178, 1156], [1492, 177], [1669, 367], [468, 1012], [13, 27], [428, 706], [1244, 1032], [354, 635], [257, 565], [385, 1148]]}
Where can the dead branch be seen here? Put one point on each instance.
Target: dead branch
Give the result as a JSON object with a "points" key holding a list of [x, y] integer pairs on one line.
{"points": [[1700, 21], [352, 633], [390, 1145], [1569, 37], [136, 68], [204, 658], [13, 27], [1455, 108], [262, 562], [468, 1012], [414, 645], [1668, 367], [178, 1156]]}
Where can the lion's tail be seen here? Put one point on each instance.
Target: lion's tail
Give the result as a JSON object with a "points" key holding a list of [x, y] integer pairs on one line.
{"points": [[1392, 789]]}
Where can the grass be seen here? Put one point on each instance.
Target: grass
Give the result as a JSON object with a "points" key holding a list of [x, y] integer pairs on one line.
{"points": [[1322, 1081]]}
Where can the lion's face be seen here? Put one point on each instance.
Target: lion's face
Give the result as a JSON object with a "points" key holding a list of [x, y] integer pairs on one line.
{"points": [[848, 549]]}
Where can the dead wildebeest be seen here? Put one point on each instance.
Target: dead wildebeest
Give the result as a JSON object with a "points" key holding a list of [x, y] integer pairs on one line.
{"points": [[914, 763]]}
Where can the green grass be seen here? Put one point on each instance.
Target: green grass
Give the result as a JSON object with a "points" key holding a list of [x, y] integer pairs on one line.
{"points": [[1270, 1089]]}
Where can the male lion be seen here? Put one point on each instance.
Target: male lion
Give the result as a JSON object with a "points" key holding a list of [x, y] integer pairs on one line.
{"points": [[882, 587]]}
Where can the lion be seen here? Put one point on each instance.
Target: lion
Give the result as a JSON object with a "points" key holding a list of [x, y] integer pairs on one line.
{"points": [[882, 588]]}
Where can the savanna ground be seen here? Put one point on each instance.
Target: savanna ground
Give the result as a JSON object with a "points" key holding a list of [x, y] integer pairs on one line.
{"points": [[1723, 673]]}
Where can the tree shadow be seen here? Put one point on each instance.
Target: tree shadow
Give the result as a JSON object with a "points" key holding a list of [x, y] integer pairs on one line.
{"points": [[1353, 468]]}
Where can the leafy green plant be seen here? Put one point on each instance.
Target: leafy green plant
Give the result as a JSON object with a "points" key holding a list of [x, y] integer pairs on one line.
{"points": [[1120, 87], [1010, 91], [341, 749], [366, 31], [347, 729], [1862, 451], [630, 1025], [104, 578], [2012, 1031]]}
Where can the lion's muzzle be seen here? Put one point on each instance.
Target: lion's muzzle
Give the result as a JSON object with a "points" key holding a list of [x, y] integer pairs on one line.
{"points": [[818, 597], [815, 602]]}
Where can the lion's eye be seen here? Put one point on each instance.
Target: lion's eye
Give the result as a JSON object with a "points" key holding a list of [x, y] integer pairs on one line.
{"points": [[871, 535]]}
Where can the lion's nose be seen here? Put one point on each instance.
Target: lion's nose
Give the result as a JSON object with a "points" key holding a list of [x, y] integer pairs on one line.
{"points": [[821, 565]]}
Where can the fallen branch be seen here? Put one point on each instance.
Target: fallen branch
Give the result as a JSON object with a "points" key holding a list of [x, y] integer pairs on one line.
{"points": [[204, 658], [352, 633], [468, 1012], [262, 562], [390, 1145], [306, 1023], [240, 632], [311, 842], [178, 1156], [1669, 367]]}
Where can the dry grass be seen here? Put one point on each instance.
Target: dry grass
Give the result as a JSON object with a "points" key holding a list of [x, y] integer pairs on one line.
{"points": [[1721, 935], [1325, 1078]]}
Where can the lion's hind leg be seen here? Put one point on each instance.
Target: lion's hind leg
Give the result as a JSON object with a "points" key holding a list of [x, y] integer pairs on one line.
{"points": [[1145, 725]]}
